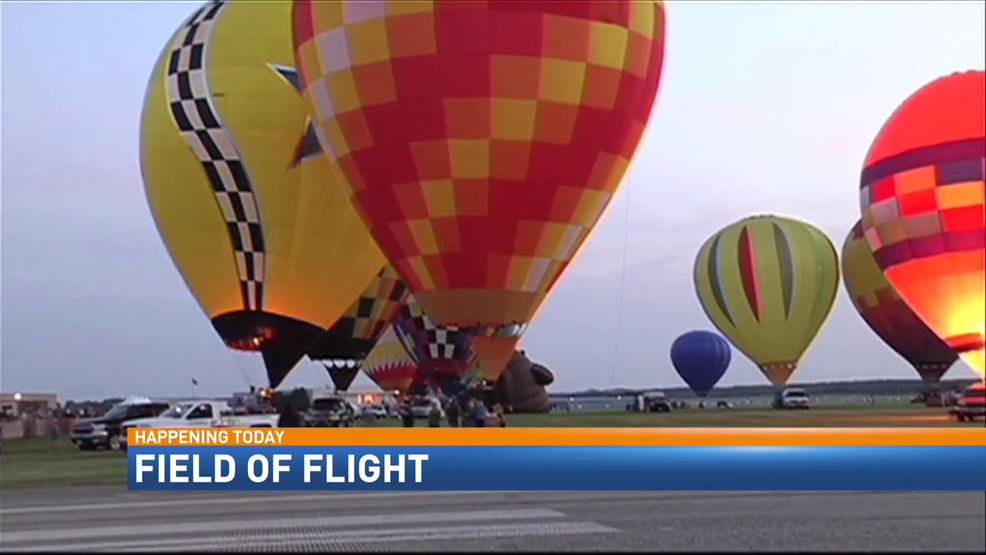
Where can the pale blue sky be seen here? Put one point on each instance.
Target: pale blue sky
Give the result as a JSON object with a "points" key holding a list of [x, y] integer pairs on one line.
{"points": [[752, 94]]}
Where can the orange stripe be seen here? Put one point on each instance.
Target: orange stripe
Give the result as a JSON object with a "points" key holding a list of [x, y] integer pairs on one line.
{"points": [[595, 436]]}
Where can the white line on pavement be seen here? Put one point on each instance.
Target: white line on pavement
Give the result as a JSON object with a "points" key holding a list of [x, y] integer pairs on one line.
{"points": [[248, 526], [225, 499], [437, 533], [233, 501]]}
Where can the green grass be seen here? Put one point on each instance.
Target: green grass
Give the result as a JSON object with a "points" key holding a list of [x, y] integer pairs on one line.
{"points": [[41, 462], [865, 416]]}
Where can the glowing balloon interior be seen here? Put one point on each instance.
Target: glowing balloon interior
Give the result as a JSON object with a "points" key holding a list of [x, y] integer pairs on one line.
{"points": [[922, 200]]}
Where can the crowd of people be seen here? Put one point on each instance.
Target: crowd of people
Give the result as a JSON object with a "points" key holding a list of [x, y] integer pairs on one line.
{"points": [[257, 401], [457, 413]]}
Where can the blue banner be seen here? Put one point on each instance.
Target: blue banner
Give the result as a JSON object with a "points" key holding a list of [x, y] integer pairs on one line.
{"points": [[502, 468]]}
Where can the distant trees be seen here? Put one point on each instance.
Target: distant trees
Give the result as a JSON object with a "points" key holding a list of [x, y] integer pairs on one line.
{"points": [[859, 387]]}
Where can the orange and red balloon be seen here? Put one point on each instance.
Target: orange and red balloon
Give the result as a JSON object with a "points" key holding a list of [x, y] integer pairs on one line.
{"points": [[922, 199]]}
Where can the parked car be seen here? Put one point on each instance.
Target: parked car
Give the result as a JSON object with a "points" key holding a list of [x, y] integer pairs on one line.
{"points": [[792, 398], [931, 398], [330, 412], [107, 431], [201, 414], [657, 402], [421, 405], [972, 404], [377, 410]]}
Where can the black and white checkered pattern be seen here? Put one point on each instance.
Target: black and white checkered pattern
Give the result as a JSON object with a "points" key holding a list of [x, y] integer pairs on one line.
{"points": [[441, 341], [197, 118]]}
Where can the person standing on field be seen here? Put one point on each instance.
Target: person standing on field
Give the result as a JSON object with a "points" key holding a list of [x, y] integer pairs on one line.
{"points": [[481, 415], [289, 416], [435, 415], [452, 412]]}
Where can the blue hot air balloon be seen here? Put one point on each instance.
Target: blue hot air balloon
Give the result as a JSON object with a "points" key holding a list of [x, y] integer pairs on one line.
{"points": [[701, 358]]}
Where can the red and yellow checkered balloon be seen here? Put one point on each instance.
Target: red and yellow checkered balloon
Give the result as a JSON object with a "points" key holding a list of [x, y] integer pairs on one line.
{"points": [[922, 200], [481, 140]]}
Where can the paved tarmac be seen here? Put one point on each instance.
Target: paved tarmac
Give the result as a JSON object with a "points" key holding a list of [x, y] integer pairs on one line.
{"points": [[112, 519]]}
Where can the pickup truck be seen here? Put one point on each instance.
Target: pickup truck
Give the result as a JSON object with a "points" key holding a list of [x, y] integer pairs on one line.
{"points": [[972, 405], [105, 431], [204, 414]]}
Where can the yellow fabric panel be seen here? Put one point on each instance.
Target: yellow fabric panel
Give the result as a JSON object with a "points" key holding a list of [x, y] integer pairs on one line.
{"points": [[737, 322], [789, 258], [388, 353], [320, 255], [825, 273], [862, 275], [317, 255], [182, 204]]}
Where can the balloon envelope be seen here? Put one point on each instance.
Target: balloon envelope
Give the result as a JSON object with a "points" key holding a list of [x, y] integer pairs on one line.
{"points": [[389, 365], [483, 143], [768, 284], [922, 198], [519, 390], [881, 307], [346, 344], [249, 210], [444, 354], [701, 358]]}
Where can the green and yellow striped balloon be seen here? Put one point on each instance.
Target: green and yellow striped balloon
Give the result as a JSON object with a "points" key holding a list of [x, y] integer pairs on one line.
{"points": [[768, 284]]}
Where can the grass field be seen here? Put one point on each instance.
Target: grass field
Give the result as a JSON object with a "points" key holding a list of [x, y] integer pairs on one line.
{"points": [[41, 462]]}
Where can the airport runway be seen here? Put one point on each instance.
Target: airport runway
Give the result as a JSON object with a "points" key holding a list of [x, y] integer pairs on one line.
{"points": [[111, 519]]}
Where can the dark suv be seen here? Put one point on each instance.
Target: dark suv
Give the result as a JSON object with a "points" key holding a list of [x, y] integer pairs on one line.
{"points": [[104, 431], [330, 412]]}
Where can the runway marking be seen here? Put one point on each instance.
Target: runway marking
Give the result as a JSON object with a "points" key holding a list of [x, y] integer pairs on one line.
{"points": [[215, 498], [303, 497], [246, 526], [232, 501], [436, 533]]}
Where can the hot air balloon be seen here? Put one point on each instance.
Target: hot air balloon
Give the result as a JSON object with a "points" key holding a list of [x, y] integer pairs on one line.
{"points": [[888, 315], [444, 354], [481, 140], [389, 365], [768, 284], [701, 358], [343, 348], [246, 205], [541, 374], [922, 200], [519, 390]]}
